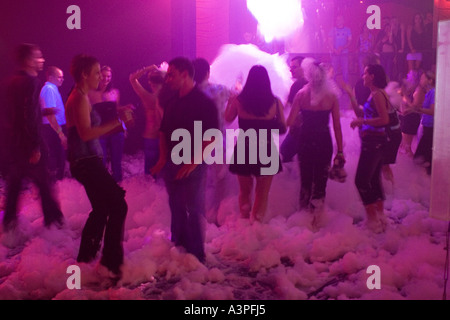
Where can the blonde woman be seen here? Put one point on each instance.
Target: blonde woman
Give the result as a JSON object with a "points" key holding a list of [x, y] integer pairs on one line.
{"points": [[315, 103]]}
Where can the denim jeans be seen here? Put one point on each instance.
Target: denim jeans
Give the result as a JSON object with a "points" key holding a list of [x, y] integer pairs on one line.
{"points": [[340, 62], [424, 151], [112, 146], [56, 152], [187, 206], [107, 218], [151, 153], [368, 173]]}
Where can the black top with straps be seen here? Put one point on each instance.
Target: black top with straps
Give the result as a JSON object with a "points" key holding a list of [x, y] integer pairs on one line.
{"points": [[250, 163]]}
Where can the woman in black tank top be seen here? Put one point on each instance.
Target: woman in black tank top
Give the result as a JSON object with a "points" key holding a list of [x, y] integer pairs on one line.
{"points": [[315, 102], [372, 121], [107, 198]]}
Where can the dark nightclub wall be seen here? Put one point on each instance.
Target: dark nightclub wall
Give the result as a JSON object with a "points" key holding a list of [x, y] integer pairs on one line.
{"points": [[125, 35], [214, 25]]}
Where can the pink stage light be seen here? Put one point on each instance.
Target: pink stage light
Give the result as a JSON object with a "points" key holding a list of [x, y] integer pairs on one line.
{"points": [[277, 19]]}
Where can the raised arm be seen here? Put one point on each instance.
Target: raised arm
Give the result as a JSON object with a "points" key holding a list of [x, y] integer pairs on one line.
{"points": [[137, 86]]}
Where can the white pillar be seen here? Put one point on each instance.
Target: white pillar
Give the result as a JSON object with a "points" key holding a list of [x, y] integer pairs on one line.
{"points": [[440, 176]]}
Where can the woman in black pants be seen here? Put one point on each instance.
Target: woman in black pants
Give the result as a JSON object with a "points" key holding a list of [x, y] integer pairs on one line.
{"points": [[109, 209], [372, 121]]}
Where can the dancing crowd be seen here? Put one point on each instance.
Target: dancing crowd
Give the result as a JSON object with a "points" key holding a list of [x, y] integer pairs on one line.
{"points": [[40, 132]]}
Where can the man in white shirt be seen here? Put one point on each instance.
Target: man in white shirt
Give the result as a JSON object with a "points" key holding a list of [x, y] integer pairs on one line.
{"points": [[54, 122]]}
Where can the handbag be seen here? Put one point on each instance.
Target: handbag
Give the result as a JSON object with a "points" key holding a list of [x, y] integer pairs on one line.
{"points": [[394, 121]]}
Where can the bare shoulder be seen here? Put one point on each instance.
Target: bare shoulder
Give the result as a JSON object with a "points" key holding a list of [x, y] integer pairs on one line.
{"points": [[379, 98], [300, 96], [78, 100], [276, 105], [331, 96], [303, 91], [378, 94]]}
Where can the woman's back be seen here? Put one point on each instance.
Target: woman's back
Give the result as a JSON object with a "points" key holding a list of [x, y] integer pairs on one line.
{"points": [[310, 99], [248, 120], [315, 120], [244, 114]]}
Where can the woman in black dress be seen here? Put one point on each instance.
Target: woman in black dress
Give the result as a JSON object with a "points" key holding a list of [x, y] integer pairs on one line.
{"points": [[257, 109]]}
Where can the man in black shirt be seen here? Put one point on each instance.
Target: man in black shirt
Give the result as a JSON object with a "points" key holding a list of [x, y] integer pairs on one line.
{"points": [[185, 182], [289, 147], [25, 151]]}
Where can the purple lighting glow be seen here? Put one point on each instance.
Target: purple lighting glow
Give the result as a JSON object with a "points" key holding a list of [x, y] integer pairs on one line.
{"points": [[276, 19]]}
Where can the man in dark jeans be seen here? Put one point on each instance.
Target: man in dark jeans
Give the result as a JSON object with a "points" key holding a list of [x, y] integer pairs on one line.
{"points": [[25, 149], [185, 182]]}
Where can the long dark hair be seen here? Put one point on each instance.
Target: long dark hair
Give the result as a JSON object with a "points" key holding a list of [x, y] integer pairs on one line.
{"points": [[380, 78], [256, 96]]}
